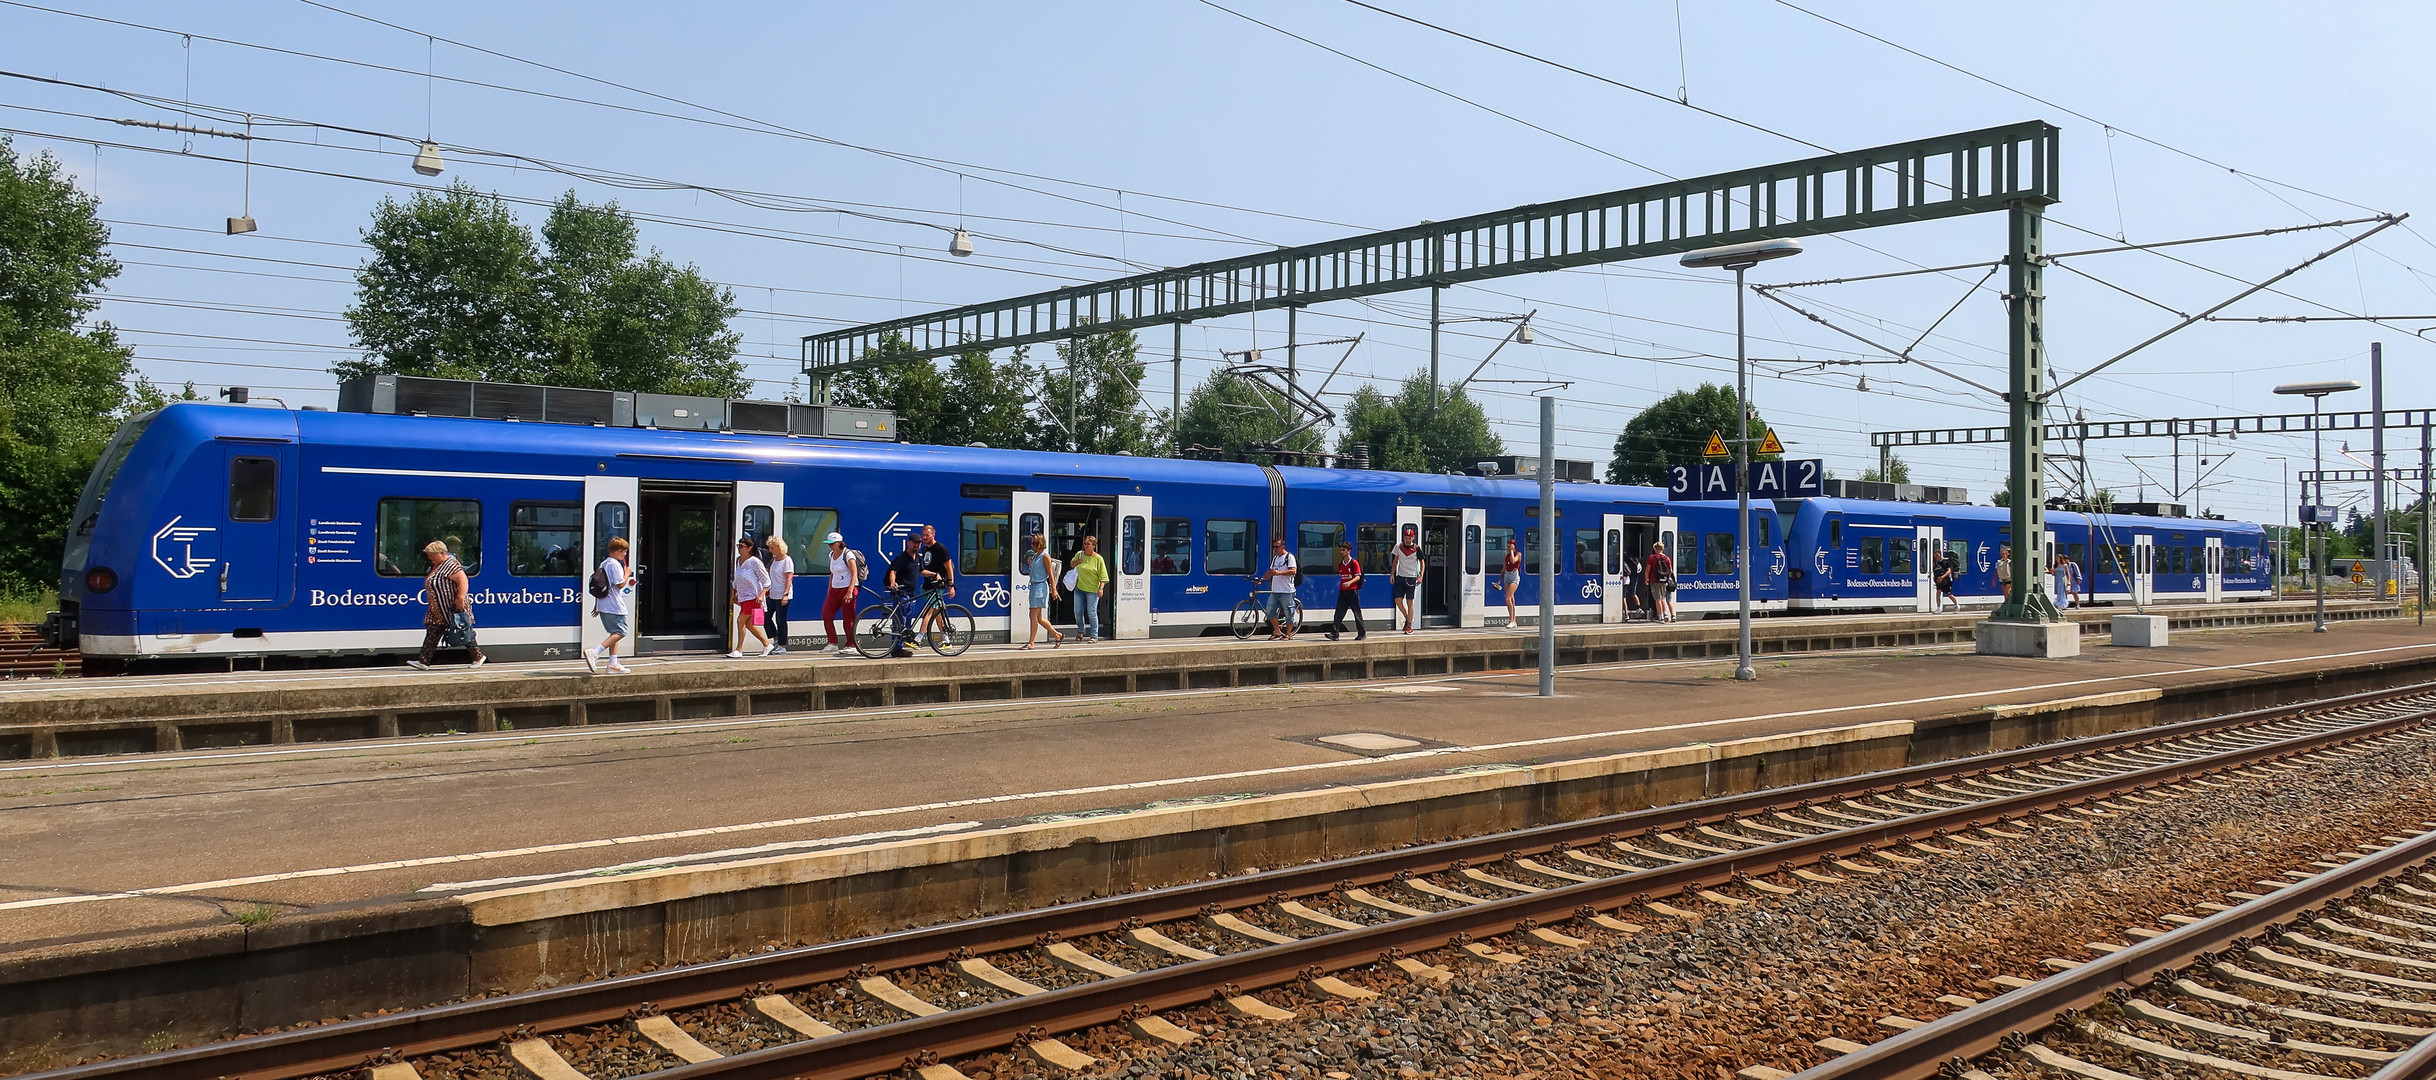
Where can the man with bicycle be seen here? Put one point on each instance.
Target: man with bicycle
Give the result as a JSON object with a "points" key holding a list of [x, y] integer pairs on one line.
{"points": [[1281, 578], [904, 580], [938, 585]]}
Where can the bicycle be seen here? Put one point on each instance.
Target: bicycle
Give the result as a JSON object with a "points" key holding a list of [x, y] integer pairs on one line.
{"points": [[878, 628], [1253, 613]]}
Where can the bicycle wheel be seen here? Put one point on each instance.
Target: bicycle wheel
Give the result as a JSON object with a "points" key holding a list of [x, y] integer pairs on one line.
{"points": [[1248, 617], [958, 633], [871, 634]]}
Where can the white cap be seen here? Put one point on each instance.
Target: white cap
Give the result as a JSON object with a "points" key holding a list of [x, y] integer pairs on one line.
{"points": [[836, 538]]}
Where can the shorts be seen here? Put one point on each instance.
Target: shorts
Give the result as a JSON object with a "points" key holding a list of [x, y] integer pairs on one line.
{"points": [[1513, 578], [616, 623], [1278, 604], [1406, 586], [1040, 595], [749, 613]]}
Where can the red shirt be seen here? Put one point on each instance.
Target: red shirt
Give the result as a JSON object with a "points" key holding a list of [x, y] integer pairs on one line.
{"points": [[1349, 574], [1660, 565]]}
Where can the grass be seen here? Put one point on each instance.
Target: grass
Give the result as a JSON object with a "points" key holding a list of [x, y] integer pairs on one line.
{"points": [[257, 915], [27, 608]]}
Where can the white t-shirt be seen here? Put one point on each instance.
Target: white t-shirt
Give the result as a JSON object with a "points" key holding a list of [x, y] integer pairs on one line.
{"points": [[752, 581], [621, 588], [1409, 564], [1282, 582], [782, 578], [841, 571]]}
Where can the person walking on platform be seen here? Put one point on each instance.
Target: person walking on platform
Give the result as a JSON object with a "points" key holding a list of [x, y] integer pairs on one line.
{"points": [[1090, 574], [845, 581], [2004, 572], [614, 606], [1660, 569], [1348, 595], [1628, 578], [1407, 566], [1040, 576], [1948, 568], [782, 589], [938, 585], [904, 580], [749, 583], [1510, 579], [1281, 577], [448, 612]]}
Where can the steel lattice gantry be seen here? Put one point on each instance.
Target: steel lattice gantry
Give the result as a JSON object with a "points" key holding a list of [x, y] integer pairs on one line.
{"points": [[2192, 427], [1948, 176]]}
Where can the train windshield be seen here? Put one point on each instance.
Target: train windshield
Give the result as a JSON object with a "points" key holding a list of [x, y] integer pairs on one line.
{"points": [[97, 487]]}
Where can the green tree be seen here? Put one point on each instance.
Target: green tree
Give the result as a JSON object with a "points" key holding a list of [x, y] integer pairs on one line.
{"points": [[64, 386], [1405, 434], [1230, 413], [457, 287], [1898, 471], [893, 378], [1674, 431], [1093, 404], [988, 403]]}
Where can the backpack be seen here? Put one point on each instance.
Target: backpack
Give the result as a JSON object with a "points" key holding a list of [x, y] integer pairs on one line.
{"points": [[600, 582], [862, 566]]}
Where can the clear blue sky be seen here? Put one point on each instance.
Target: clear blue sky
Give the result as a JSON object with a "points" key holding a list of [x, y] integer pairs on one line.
{"points": [[1120, 110]]}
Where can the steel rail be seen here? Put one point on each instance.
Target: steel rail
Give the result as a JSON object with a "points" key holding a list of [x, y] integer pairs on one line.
{"points": [[866, 1051], [349, 1044], [1925, 1051]]}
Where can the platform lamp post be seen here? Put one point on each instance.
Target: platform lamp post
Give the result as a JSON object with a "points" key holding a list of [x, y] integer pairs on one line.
{"points": [[2316, 393], [1740, 258]]}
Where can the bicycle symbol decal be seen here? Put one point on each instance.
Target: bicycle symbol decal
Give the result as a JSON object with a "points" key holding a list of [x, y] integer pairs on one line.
{"points": [[992, 594], [1592, 590]]}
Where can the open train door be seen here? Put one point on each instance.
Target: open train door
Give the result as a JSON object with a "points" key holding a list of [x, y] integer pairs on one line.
{"points": [[754, 513], [1031, 518], [1927, 542], [1131, 567], [2144, 568], [2216, 570], [1611, 568], [609, 503], [1473, 537]]}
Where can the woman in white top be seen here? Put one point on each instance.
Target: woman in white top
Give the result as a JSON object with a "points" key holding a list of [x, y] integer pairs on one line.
{"points": [[750, 585], [845, 577], [614, 608], [1408, 565], [782, 589]]}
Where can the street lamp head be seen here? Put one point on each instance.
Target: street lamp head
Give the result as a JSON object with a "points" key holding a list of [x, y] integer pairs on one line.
{"points": [[1742, 256], [2318, 389]]}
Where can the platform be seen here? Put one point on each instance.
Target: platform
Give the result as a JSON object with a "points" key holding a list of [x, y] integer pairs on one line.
{"points": [[41, 719], [202, 838]]}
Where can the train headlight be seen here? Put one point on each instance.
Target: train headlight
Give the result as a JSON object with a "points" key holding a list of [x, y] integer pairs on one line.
{"points": [[100, 579]]}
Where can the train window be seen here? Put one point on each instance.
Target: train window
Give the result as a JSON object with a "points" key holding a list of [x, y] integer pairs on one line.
{"points": [[2177, 560], [2105, 554], [1719, 555], [1835, 534], [981, 546], [806, 530], [403, 526], [2078, 553], [1371, 545], [1586, 551], [544, 538], [1873, 554], [1530, 550], [1133, 545], [1899, 556], [1472, 553], [253, 488], [1315, 545], [760, 523], [1029, 526], [1763, 531], [609, 520], [1226, 548], [1687, 553], [1171, 545], [1615, 551]]}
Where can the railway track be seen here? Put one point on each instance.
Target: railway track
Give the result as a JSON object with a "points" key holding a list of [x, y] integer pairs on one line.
{"points": [[25, 655], [913, 999]]}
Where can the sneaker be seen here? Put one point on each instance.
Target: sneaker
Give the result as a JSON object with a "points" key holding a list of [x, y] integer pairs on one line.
{"points": [[828, 650], [776, 650], [735, 654], [478, 662], [418, 665], [592, 661]]}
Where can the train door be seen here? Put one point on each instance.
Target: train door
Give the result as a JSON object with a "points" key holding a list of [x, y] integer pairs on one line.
{"points": [[1611, 568], [1441, 596], [1129, 567], [2144, 568], [682, 553], [753, 513], [1069, 523], [1031, 518], [1666, 542], [1474, 540], [1927, 542], [1408, 530], [2216, 569], [609, 503], [257, 551]]}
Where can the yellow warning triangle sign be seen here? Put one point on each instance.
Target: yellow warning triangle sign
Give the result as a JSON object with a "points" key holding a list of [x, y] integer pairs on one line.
{"points": [[1716, 446], [1769, 445]]}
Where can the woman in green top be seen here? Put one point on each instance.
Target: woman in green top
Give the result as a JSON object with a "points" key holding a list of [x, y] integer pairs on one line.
{"points": [[1090, 576]]}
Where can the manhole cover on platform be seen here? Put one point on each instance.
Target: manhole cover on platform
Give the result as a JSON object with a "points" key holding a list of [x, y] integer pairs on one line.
{"points": [[1369, 741]]}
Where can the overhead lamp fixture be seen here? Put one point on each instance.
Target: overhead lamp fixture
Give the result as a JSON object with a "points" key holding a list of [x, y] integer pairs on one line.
{"points": [[1742, 256], [961, 245], [238, 226], [1864, 384], [1526, 335], [427, 159], [2318, 389]]}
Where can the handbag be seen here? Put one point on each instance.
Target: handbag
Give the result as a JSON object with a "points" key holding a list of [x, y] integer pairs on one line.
{"points": [[1069, 581], [459, 633]]}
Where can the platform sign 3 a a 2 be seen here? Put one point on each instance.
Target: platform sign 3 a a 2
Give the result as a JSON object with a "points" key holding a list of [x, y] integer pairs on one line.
{"points": [[1801, 478]]}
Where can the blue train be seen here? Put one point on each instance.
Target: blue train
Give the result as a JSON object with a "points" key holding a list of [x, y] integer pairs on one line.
{"points": [[217, 533]]}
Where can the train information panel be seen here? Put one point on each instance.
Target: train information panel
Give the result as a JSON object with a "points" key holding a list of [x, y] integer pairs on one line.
{"points": [[1801, 478]]}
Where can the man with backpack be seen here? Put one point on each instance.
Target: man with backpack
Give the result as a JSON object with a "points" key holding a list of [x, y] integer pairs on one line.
{"points": [[846, 575], [612, 589]]}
